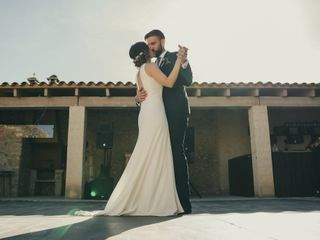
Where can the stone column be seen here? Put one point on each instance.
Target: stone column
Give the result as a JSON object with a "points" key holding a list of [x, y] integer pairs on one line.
{"points": [[75, 152], [261, 151]]}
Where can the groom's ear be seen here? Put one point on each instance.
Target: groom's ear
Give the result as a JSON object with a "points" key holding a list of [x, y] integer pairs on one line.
{"points": [[163, 42]]}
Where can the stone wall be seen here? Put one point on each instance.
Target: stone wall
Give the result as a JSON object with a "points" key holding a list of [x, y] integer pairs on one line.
{"points": [[220, 134], [21, 155], [232, 140], [204, 169], [10, 154]]}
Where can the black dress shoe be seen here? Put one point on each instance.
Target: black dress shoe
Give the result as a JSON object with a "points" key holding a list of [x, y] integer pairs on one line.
{"points": [[189, 211]]}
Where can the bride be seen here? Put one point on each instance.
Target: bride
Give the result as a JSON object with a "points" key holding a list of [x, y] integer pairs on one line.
{"points": [[147, 185]]}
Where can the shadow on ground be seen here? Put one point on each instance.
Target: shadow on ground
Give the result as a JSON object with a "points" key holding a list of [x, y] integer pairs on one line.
{"points": [[102, 227], [98, 228]]}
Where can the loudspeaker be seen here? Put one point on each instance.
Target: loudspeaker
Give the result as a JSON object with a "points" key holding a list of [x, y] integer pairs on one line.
{"points": [[241, 176], [104, 136]]}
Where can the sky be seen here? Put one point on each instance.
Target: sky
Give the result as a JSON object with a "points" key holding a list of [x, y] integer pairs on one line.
{"points": [[228, 41]]}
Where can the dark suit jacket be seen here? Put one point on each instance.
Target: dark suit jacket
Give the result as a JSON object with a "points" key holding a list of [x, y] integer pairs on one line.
{"points": [[176, 99]]}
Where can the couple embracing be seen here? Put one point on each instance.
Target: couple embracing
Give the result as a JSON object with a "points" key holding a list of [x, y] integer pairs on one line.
{"points": [[155, 181]]}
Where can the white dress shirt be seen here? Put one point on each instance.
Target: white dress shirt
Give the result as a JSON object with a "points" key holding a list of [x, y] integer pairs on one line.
{"points": [[184, 65]]}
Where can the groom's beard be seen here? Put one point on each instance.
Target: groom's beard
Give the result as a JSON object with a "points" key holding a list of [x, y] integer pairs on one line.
{"points": [[158, 52]]}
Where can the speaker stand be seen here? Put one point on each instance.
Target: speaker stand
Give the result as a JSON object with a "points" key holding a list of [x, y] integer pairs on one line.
{"points": [[105, 169], [189, 157]]}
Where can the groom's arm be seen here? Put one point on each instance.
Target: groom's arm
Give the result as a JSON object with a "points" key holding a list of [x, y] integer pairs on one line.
{"points": [[185, 76]]}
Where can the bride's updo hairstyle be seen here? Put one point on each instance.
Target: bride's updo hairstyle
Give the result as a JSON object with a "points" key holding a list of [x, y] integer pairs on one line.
{"points": [[139, 52]]}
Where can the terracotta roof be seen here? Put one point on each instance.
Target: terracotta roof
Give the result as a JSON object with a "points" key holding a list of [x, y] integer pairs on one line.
{"points": [[255, 84], [120, 84], [67, 84]]}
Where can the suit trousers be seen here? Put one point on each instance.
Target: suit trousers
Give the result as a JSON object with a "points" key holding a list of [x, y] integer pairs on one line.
{"points": [[178, 123]]}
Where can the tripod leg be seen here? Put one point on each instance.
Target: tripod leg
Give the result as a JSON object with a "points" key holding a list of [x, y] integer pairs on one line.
{"points": [[195, 190]]}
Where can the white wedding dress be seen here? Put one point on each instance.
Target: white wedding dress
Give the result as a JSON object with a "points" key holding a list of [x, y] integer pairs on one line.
{"points": [[147, 185]]}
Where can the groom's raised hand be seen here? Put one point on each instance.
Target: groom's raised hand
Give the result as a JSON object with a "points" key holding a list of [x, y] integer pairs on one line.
{"points": [[183, 49], [183, 53]]}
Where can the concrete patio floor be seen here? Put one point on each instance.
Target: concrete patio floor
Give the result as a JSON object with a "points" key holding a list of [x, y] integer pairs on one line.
{"points": [[212, 218]]}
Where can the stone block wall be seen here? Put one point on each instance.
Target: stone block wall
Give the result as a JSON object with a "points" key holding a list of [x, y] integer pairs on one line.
{"points": [[234, 140], [220, 134], [21, 155], [10, 155], [204, 169]]}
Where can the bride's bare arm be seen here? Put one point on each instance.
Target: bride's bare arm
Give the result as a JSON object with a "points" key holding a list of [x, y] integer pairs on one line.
{"points": [[153, 70]]}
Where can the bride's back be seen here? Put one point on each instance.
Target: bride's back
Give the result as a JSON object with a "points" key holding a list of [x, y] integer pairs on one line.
{"points": [[153, 88], [152, 109]]}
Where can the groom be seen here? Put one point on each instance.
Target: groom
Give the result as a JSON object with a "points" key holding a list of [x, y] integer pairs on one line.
{"points": [[177, 109]]}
